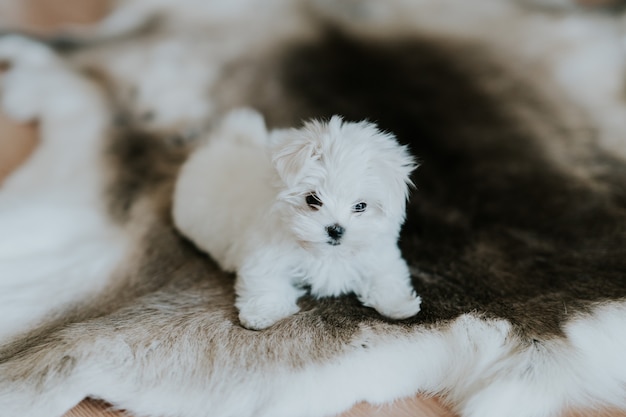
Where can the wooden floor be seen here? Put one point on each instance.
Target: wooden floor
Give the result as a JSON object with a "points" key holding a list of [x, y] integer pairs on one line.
{"points": [[17, 141]]}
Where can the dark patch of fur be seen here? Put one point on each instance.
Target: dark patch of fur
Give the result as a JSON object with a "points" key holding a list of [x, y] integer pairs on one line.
{"points": [[142, 162]]}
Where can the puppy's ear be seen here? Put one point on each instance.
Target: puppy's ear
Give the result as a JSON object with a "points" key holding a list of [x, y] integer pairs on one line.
{"points": [[394, 165], [291, 154], [398, 172]]}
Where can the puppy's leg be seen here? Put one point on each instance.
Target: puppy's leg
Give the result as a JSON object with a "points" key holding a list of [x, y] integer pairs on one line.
{"points": [[53, 224], [265, 293], [389, 290]]}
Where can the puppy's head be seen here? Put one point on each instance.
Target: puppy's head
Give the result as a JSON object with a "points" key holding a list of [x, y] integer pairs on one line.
{"points": [[343, 184]]}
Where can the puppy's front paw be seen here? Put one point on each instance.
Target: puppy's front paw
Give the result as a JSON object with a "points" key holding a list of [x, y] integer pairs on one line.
{"points": [[402, 308], [396, 305], [261, 313]]}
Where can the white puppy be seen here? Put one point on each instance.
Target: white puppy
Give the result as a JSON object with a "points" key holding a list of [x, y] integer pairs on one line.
{"points": [[318, 207]]}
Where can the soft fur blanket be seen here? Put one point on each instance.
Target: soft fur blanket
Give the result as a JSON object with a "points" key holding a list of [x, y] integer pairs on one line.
{"points": [[515, 234]]}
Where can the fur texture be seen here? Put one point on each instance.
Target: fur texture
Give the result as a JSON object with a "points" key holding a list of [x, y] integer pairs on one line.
{"points": [[516, 240], [318, 207]]}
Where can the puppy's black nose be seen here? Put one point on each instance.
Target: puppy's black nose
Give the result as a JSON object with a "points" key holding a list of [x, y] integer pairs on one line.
{"points": [[335, 231]]}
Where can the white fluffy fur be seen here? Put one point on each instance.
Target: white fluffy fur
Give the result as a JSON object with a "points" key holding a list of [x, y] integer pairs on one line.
{"points": [[57, 246], [242, 198]]}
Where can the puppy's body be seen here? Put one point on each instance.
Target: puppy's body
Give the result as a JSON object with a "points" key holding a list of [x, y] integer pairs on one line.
{"points": [[245, 198], [231, 182]]}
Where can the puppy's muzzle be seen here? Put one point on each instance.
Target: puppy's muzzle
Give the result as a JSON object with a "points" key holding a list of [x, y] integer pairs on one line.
{"points": [[335, 232]]}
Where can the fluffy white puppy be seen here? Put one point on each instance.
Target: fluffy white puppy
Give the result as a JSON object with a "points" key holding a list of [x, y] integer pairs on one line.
{"points": [[318, 207]]}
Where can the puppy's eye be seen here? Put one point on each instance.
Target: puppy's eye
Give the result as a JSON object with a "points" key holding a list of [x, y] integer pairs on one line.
{"points": [[313, 201], [359, 207]]}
